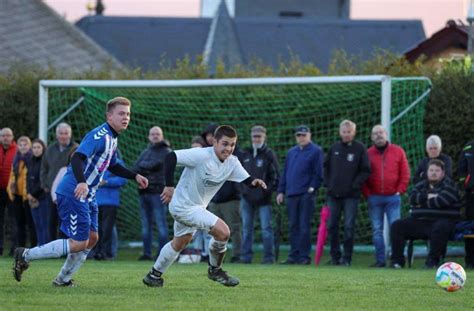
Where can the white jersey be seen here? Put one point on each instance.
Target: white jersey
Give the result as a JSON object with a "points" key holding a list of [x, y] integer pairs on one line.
{"points": [[203, 175]]}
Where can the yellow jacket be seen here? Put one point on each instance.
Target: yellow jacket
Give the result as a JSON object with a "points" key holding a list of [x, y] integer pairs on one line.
{"points": [[17, 184]]}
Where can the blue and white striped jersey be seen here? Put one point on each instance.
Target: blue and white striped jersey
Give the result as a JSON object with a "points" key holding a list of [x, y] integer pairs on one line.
{"points": [[99, 146]]}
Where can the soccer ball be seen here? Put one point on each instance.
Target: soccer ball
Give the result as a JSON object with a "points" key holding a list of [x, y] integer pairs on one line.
{"points": [[189, 258], [450, 276], [190, 255]]}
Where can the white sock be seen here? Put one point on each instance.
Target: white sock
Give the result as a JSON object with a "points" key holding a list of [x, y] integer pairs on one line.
{"points": [[167, 256], [217, 251], [53, 249], [73, 262]]}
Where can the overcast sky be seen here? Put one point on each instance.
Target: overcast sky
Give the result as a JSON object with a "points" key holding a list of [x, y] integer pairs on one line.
{"points": [[433, 13]]}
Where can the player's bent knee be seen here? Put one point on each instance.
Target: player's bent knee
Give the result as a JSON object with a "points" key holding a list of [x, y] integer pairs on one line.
{"points": [[180, 243], [77, 246], [220, 231], [93, 239]]}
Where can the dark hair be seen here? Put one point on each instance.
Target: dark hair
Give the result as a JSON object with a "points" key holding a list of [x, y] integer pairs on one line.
{"points": [[39, 141], [198, 140], [117, 101], [224, 130], [436, 162]]}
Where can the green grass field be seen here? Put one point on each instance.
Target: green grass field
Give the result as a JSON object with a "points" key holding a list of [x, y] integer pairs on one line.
{"points": [[117, 285]]}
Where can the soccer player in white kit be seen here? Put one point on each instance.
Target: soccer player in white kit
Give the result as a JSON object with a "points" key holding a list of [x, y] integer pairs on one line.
{"points": [[206, 170]]}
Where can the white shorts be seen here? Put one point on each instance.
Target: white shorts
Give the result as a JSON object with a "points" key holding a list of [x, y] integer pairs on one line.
{"points": [[199, 219]]}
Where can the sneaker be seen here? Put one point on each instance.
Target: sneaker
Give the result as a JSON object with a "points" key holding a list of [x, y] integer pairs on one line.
{"points": [[346, 263], [153, 279], [378, 265], [396, 266], [431, 264], [57, 283], [20, 264], [221, 276]]}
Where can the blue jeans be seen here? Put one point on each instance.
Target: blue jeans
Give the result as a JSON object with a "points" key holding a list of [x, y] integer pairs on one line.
{"points": [[350, 207], [153, 209], [40, 217], [201, 242], [378, 206], [114, 241], [247, 212], [300, 213]]}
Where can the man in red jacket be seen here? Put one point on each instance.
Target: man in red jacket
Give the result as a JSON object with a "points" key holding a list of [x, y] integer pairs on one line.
{"points": [[7, 153], [388, 180]]}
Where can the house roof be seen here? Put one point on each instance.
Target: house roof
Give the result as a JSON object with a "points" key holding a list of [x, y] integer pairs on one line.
{"points": [[222, 42], [31, 32], [145, 41], [141, 41], [315, 41], [452, 35]]}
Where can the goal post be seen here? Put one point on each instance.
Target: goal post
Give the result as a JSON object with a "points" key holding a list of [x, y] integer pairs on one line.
{"points": [[183, 107]]}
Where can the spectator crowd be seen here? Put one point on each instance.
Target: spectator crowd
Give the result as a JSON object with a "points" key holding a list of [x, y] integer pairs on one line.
{"points": [[441, 201]]}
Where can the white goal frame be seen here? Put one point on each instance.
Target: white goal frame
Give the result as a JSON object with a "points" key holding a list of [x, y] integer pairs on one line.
{"points": [[386, 89], [386, 95]]}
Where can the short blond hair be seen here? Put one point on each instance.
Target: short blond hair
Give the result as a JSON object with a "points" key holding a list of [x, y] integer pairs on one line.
{"points": [[347, 123], [24, 139], [118, 101]]}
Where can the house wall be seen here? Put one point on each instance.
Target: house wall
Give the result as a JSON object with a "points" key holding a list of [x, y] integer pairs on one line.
{"points": [[447, 54]]}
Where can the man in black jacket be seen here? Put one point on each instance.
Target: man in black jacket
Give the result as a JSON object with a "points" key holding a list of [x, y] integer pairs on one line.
{"points": [[430, 200], [150, 165], [466, 177], [346, 168], [261, 162]]}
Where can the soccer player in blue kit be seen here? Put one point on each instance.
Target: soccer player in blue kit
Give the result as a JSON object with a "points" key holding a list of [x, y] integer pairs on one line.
{"points": [[77, 206]]}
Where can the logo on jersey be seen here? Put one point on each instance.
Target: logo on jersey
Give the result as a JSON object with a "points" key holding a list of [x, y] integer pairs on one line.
{"points": [[350, 157], [208, 182], [259, 163], [211, 183], [100, 133], [73, 224]]}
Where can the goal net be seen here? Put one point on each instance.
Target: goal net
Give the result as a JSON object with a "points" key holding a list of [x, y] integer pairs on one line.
{"points": [[182, 108]]}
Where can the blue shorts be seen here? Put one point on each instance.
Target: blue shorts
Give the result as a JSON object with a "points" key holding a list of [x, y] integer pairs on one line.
{"points": [[77, 218]]}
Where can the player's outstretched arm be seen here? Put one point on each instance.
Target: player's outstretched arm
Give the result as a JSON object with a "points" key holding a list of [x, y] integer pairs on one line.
{"points": [[169, 168], [142, 181], [259, 183], [120, 170], [255, 182]]}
